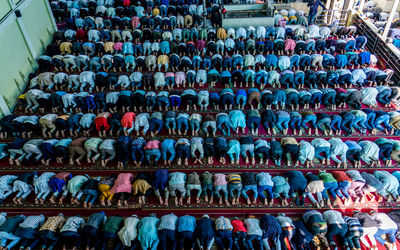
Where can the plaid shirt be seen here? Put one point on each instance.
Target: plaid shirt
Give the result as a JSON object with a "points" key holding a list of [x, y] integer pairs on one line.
{"points": [[223, 223], [33, 221], [139, 142]]}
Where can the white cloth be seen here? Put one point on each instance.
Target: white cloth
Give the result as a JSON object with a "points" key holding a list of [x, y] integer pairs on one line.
{"points": [[129, 232]]}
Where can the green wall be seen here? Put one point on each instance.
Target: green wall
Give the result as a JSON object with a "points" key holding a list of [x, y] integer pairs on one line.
{"points": [[4, 8], [37, 24], [15, 64], [16, 59]]}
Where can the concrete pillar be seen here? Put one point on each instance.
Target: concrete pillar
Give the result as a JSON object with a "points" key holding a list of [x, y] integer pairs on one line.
{"points": [[4, 110], [50, 13], [349, 5], [361, 6], [390, 19]]}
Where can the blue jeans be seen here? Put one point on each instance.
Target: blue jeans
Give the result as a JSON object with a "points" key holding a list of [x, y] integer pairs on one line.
{"points": [[206, 188], [390, 233], [383, 119], [330, 187], [239, 240], [168, 149], [247, 148], [170, 123], [309, 118], [137, 149], [232, 187], [4, 237], [223, 188], [319, 150], [347, 124], [49, 239], [153, 152], [185, 236], [336, 123], [194, 125], [279, 98], [267, 188], [223, 125], [167, 239], [105, 238], [253, 122], [295, 122], [248, 188], [241, 99], [359, 123], [283, 122], [91, 195], [182, 151], [370, 120], [223, 239], [155, 124], [184, 122], [385, 151], [342, 188], [316, 98], [384, 97], [252, 237]]}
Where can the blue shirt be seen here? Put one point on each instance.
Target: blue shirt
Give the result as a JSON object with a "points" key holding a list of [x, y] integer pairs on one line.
{"points": [[186, 223]]}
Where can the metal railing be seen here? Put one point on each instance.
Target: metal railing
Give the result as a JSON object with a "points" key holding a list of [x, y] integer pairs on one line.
{"points": [[376, 45], [329, 17]]}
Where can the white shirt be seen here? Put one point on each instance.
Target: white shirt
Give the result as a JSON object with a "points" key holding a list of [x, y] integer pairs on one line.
{"points": [[128, 232], [384, 221]]}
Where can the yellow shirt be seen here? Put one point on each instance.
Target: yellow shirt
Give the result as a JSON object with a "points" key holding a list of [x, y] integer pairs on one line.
{"points": [[66, 48], [140, 186], [156, 12], [163, 59], [109, 47], [289, 140], [221, 33]]}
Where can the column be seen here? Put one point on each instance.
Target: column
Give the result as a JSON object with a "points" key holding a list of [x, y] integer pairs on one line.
{"points": [[361, 6], [390, 19]]}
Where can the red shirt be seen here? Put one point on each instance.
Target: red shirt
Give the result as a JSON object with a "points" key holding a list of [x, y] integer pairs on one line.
{"points": [[127, 119], [81, 35], [341, 176], [341, 90], [238, 226]]}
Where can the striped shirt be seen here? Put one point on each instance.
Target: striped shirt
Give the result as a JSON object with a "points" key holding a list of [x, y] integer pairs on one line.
{"points": [[354, 225], [234, 178]]}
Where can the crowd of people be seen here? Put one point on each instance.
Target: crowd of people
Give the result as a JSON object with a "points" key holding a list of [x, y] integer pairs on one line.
{"points": [[169, 231], [171, 123], [152, 83], [35, 100], [342, 187], [137, 152]]}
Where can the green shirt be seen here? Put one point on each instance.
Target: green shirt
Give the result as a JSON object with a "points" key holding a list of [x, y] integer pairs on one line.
{"points": [[383, 140], [396, 144], [327, 177], [93, 142], [113, 224], [253, 113]]}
